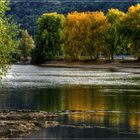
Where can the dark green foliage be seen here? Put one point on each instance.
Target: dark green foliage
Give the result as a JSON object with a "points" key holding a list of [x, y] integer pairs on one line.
{"points": [[131, 29], [26, 12], [113, 39], [48, 37]]}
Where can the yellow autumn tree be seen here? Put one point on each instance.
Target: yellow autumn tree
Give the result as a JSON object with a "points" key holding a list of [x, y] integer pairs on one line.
{"points": [[95, 42], [75, 34], [83, 34]]}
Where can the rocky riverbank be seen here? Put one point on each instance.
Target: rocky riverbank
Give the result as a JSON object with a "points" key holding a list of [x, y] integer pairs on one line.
{"points": [[20, 123]]}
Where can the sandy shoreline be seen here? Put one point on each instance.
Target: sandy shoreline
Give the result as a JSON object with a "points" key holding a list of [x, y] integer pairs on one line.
{"points": [[130, 67]]}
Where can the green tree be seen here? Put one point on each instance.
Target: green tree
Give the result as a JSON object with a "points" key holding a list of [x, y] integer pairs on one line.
{"points": [[114, 36], [131, 28], [49, 37], [26, 44], [26, 14], [8, 34]]}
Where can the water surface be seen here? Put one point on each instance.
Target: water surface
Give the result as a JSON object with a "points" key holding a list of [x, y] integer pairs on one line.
{"points": [[91, 103]]}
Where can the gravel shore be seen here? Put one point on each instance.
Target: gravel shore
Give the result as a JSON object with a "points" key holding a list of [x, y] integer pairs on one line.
{"points": [[21, 123]]}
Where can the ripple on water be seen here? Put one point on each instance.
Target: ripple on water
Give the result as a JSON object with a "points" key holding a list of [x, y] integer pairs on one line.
{"points": [[35, 76]]}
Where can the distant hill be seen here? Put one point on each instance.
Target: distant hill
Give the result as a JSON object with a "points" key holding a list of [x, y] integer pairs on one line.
{"points": [[27, 11]]}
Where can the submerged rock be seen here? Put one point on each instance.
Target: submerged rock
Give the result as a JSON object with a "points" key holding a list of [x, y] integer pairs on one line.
{"points": [[20, 123]]}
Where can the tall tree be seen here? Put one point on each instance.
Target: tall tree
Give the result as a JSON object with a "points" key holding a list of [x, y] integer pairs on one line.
{"points": [[131, 28], [114, 36], [84, 34], [49, 37], [75, 33], [97, 31], [8, 33], [26, 44]]}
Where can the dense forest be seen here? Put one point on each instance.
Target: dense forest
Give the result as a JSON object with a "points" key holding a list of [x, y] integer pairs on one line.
{"points": [[26, 12], [94, 35], [75, 31]]}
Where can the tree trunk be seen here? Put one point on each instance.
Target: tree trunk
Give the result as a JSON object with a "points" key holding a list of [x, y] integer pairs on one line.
{"points": [[112, 57], [97, 56], [112, 53], [138, 59]]}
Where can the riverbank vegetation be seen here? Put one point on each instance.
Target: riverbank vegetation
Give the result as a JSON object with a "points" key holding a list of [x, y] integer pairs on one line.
{"points": [[28, 11], [92, 35], [49, 43], [8, 38], [26, 44], [75, 36]]}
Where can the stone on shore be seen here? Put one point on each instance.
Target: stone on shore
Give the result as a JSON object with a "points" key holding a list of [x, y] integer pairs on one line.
{"points": [[20, 123]]}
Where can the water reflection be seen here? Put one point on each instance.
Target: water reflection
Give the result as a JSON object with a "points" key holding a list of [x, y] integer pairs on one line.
{"points": [[81, 106], [106, 103], [69, 133]]}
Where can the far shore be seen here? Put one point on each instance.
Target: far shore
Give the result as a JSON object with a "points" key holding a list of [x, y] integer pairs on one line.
{"points": [[131, 66], [116, 66]]}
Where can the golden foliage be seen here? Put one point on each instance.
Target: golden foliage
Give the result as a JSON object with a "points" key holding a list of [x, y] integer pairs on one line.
{"points": [[81, 29]]}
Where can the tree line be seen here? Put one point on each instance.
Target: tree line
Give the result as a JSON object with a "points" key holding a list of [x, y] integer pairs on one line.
{"points": [[77, 35], [26, 12], [93, 34]]}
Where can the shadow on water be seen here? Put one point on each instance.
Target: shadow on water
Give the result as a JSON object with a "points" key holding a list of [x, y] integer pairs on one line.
{"points": [[64, 132]]}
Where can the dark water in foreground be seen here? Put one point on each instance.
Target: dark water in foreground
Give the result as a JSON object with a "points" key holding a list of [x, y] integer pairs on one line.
{"points": [[92, 104]]}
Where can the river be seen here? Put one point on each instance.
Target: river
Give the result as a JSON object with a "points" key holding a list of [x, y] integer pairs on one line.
{"points": [[94, 104]]}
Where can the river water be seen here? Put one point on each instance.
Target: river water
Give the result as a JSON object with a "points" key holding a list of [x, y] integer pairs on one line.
{"points": [[93, 104]]}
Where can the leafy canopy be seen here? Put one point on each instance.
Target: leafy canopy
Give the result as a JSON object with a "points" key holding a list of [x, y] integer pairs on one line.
{"points": [[8, 33], [49, 37], [26, 44]]}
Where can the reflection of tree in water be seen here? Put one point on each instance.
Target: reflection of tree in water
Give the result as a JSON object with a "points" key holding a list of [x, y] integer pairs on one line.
{"points": [[114, 107], [117, 106], [50, 100]]}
